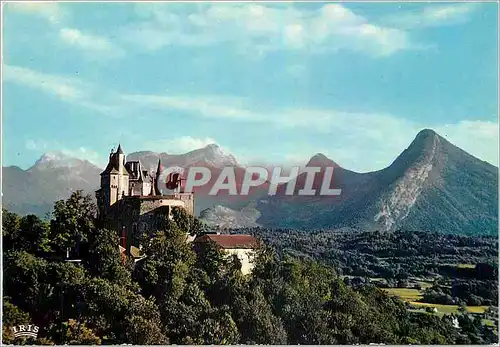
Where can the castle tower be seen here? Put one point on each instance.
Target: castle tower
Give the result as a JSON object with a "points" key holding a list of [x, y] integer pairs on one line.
{"points": [[123, 176], [114, 182]]}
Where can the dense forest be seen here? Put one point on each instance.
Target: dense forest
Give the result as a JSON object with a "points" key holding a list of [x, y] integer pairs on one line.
{"points": [[400, 258], [295, 295]]}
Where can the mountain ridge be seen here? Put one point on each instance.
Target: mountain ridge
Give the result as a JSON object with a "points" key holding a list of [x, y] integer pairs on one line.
{"points": [[431, 173]]}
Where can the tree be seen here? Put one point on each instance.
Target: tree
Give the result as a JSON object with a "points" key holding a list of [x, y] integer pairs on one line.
{"points": [[73, 223], [24, 276], [188, 223], [12, 316], [28, 233], [104, 259], [77, 333]]}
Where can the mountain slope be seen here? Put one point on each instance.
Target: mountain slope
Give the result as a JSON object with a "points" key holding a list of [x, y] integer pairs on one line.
{"points": [[433, 185], [53, 177]]}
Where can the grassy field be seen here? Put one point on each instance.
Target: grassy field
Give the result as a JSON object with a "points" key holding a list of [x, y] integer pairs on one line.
{"points": [[425, 285], [412, 295], [489, 322], [405, 293], [451, 308]]}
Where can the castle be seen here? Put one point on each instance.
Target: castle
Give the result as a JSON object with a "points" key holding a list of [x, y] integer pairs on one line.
{"points": [[131, 202], [130, 199]]}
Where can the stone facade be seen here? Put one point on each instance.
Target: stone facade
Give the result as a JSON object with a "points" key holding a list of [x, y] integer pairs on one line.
{"points": [[129, 199]]}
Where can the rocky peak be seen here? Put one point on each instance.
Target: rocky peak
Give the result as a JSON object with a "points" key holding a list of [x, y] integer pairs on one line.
{"points": [[57, 159], [212, 155], [320, 160]]}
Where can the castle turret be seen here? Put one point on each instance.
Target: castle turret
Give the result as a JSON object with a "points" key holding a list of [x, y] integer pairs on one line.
{"points": [[123, 186], [114, 181], [157, 178]]}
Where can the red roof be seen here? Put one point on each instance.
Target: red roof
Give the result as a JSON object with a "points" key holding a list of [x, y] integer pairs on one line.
{"points": [[229, 241]]}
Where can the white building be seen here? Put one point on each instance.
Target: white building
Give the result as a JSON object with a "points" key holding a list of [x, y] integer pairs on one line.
{"points": [[243, 246]]}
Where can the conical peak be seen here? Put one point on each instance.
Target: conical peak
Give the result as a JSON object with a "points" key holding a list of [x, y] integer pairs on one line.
{"points": [[119, 150], [320, 160], [425, 139], [426, 133]]}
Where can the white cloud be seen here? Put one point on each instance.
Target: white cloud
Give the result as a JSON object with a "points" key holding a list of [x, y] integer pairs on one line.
{"points": [[36, 145], [479, 138], [90, 44], [433, 16], [84, 153], [94, 46], [258, 28], [64, 88], [360, 141], [50, 11], [68, 89], [179, 145], [205, 106]]}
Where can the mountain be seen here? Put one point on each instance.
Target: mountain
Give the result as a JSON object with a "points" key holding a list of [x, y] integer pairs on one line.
{"points": [[225, 217], [433, 185], [209, 156], [53, 177]]}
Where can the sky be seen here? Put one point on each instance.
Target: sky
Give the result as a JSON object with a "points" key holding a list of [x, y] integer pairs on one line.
{"points": [[268, 82]]}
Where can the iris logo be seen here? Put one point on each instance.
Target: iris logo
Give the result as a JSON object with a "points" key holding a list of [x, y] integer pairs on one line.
{"points": [[29, 330]]}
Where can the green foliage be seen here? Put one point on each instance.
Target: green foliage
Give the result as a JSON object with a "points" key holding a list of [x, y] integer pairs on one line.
{"points": [[28, 233], [12, 316], [104, 260], [76, 333], [73, 222], [187, 222], [178, 295]]}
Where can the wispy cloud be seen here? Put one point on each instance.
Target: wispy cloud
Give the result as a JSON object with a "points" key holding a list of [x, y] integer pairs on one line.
{"points": [[93, 46], [62, 87], [179, 145], [50, 11], [257, 28], [433, 16], [90, 44], [376, 137], [68, 89]]}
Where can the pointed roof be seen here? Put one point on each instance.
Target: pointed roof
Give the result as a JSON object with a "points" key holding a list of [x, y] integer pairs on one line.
{"points": [[114, 164], [111, 167], [119, 150], [158, 168], [157, 178]]}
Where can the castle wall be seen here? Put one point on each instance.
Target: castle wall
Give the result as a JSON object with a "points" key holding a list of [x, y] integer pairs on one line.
{"points": [[188, 199], [136, 215]]}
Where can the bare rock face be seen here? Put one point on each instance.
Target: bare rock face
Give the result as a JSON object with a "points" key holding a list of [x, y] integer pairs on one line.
{"points": [[433, 185], [225, 217], [397, 203]]}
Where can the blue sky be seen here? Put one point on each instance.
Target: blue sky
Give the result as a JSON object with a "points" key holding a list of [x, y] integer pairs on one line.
{"points": [[268, 82]]}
